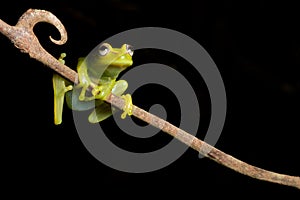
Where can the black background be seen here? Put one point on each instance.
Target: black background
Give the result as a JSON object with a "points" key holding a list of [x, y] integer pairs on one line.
{"points": [[256, 47]]}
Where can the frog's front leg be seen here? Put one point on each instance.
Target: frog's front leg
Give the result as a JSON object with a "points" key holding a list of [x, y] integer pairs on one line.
{"points": [[128, 106], [103, 111], [118, 90], [84, 80]]}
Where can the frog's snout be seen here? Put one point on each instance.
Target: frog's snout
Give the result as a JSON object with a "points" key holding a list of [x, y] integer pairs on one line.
{"points": [[123, 61]]}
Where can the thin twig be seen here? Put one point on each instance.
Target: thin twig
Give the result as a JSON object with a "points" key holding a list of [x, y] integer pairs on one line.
{"points": [[23, 37]]}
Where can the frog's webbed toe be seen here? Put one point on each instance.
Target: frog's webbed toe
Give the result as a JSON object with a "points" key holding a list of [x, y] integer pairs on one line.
{"points": [[128, 106]]}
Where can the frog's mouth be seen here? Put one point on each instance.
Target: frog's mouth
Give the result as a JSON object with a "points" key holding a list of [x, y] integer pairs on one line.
{"points": [[123, 61]]}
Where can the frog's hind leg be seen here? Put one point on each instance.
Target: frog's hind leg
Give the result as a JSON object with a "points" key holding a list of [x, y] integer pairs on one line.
{"points": [[60, 88], [100, 113]]}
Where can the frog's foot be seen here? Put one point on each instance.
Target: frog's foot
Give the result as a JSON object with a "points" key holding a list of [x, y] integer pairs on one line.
{"points": [[61, 58], [127, 106], [82, 96], [84, 83], [102, 91], [60, 88]]}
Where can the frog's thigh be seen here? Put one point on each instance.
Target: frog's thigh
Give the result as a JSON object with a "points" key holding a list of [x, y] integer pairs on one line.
{"points": [[100, 113], [120, 87]]}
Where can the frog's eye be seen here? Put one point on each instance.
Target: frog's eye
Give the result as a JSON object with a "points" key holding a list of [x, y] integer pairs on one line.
{"points": [[104, 49], [129, 49]]}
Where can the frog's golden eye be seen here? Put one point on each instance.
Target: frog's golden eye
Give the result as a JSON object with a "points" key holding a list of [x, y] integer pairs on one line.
{"points": [[104, 49], [129, 49]]}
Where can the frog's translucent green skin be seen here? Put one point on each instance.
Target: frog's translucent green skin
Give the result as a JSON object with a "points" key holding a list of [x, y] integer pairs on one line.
{"points": [[99, 69], [60, 88]]}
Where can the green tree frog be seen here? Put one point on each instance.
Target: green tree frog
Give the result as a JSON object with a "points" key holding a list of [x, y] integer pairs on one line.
{"points": [[98, 70]]}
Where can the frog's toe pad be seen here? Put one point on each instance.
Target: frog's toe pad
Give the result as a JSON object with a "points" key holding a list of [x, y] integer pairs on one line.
{"points": [[68, 88], [61, 58], [127, 106]]}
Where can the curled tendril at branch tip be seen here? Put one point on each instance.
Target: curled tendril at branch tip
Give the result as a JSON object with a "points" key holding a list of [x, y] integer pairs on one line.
{"points": [[23, 37], [33, 16]]}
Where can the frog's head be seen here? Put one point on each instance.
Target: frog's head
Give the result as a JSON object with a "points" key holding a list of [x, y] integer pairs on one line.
{"points": [[115, 57]]}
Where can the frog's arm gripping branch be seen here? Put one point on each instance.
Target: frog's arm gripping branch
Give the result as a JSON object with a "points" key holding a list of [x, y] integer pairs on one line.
{"points": [[23, 37]]}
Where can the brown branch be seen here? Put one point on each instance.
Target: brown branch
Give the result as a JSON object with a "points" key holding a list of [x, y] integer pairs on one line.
{"points": [[23, 37]]}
